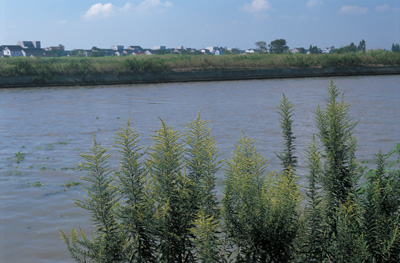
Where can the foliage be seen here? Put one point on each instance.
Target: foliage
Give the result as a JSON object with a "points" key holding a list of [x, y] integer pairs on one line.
{"points": [[160, 205], [313, 249], [137, 211], [362, 47], [51, 68], [395, 47], [106, 244], [352, 48], [278, 46], [260, 212], [262, 45], [287, 157], [381, 209], [340, 178], [314, 50], [174, 210]]}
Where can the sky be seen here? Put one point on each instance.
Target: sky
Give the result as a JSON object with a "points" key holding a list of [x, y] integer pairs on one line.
{"points": [[199, 24]]}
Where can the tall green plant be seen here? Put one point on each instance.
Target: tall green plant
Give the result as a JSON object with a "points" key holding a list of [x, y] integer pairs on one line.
{"points": [[136, 213], [260, 213], [202, 166], [174, 211], [246, 202], [287, 157], [106, 244], [382, 211], [340, 177], [348, 243], [313, 249]]}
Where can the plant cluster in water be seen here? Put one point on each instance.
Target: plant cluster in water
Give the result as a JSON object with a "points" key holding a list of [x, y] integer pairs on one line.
{"points": [[161, 205]]}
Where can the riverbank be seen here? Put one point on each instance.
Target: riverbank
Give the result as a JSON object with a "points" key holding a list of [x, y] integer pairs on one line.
{"points": [[190, 76], [73, 71]]}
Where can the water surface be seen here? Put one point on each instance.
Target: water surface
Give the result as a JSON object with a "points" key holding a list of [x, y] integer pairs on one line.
{"points": [[52, 126]]}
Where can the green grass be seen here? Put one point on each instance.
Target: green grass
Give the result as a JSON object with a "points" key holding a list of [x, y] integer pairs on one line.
{"points": [[50, 67]]}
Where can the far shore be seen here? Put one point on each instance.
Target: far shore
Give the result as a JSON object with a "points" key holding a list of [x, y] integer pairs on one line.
{"points": [[84, 71], [191, 76]]}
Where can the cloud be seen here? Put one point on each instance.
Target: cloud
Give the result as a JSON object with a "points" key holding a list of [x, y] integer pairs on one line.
{"points": [[108, 10], [314, 3], [99, 10], [381, 8], [353, 10], [257, 6], [152, 4]]}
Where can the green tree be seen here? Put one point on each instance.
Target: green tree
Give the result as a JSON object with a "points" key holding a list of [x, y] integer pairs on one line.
{"points": [[314, 50], [278, 46], [262, 45], [362, 47], [106, 244], [395, 47]]}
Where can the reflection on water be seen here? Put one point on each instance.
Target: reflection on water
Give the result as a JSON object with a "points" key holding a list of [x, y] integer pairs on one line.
{"points": [[52, 126]]}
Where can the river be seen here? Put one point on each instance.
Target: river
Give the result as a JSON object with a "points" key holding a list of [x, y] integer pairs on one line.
{"points": [[43, 131]]}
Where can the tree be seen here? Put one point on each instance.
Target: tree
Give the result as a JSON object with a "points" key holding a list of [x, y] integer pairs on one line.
{"points": [[352, 48], [362, 46], [314, 50], [278, 46], [395, 47], [262, 45]]}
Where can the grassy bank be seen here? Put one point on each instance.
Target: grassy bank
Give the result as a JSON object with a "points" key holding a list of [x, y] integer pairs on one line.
{"points": [[65, 66]]}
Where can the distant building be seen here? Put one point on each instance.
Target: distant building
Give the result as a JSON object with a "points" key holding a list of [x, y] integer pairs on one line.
{"points": [[119, 48], [12, 51], [135, 49], [328, 50], [160, 48], [29, 44], [211, 49], [33, 52]]}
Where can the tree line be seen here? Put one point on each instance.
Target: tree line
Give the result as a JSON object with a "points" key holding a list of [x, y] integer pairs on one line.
{"points": [[160, 205], [279, 46]]}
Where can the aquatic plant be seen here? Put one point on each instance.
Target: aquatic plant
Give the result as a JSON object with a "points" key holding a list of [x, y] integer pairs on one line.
{"points": [[160, 205]]}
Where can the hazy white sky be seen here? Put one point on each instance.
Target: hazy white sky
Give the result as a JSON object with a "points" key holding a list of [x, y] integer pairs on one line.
{"points": [[197, 24]]}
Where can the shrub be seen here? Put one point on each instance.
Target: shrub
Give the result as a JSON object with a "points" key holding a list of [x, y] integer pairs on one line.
{"points": [[164, 207]]}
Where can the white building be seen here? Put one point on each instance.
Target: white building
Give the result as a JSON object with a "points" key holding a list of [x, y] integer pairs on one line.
{"points": [[12, 51]]}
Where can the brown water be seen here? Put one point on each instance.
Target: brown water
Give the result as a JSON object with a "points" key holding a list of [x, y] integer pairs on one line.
{"points": [[52, 126]]}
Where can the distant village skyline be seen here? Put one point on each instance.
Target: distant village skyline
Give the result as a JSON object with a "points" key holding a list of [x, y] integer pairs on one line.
{"points": [[35, 49], [200, 24]]}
